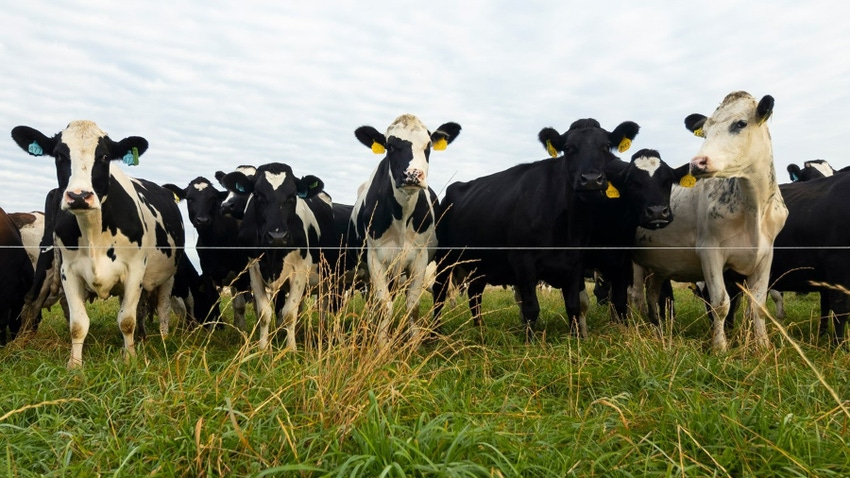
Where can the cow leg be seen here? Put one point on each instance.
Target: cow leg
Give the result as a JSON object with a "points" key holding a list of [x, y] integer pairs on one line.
{"points": [[584, 306], [825, 312], [840, 305], [415, 290], [620, 298], [263, 304], [239, 305], [163, 305], [383, 298], [758, 284], [779, 300], [289, 312], [653, 286], [78, 323], [529, 306], [475, 291], [127, 317]]}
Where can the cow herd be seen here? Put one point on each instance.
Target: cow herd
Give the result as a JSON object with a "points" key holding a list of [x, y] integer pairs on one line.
{"points": [[275, 236]]}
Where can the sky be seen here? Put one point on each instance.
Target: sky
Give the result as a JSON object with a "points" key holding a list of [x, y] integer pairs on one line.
{"points": [[212, 85]]}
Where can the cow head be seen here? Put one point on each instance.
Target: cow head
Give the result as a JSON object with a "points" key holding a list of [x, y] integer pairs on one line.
{"points": [[235, 202], [83, 154], [274, 215], [407, 145], [203, 201], [586, 149], [737, 141], [814, 169], [645, 183]]}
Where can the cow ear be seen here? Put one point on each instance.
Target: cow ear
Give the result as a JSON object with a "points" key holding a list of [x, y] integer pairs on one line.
{"points": [[371, 138], [765, 108], [237, 182], [694, 124], [444, 135], [683, 176], [219, 175], [309, 186], [551, 140], [179, 193], [33, 141], [623, 135], [129, 149], [794, 172]]}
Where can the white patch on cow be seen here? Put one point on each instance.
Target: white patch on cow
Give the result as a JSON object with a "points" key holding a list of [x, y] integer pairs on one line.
{"points": [[307, 217], [821, 166], [247, 170], [650, 164], [201, 186], [275, 179]]}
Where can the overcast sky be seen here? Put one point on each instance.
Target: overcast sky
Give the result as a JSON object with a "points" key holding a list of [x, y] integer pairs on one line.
{"points": [[213, 85]]}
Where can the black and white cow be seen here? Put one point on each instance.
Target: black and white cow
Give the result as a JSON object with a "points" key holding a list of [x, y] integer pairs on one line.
{"points": [[222, 260], [234, 203], [729, 220], [16, 274], [396, 212], [115, 234], [813, 169], [287, 229], [529, 222]]}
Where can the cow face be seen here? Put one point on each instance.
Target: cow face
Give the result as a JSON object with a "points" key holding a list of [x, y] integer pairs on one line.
{"points": [[645, 183], [814, 169], [586, 149], [83, 154], [408, 145], [203, 201], [235, 202], [737, 141], [275, 214]]}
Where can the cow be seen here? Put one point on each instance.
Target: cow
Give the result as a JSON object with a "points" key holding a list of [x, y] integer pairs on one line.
{"points": [[728, 220], [813, 169], [234, 203], [222, 260], [396, 212], [16, 273], [642, 199], [116, 235], [286, 229], [529, 222]]}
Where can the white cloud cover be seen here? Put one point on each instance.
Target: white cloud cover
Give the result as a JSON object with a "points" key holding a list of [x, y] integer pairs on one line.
{"points": [[213, 85]]}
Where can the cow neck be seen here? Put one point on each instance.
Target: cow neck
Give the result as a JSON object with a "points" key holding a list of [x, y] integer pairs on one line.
{"points": [[761, 190], [92, 238]]}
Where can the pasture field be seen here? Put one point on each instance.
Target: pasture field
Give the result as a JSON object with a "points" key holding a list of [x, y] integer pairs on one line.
{"points": [[627, 401]]}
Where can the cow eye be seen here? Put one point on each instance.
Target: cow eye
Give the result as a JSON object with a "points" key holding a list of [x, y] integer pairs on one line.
{"points": [[741, 124]]}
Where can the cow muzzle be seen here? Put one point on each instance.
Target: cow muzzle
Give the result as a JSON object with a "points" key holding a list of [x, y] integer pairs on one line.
{"points": [[78, 200], [278, 238], [656, 217], [701, 166], [592, 181], [413, 178]]}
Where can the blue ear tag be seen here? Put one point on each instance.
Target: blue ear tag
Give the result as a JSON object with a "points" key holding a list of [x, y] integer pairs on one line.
{"points": [[35, 149], [132, 157], [302, 195], [240, 188]]}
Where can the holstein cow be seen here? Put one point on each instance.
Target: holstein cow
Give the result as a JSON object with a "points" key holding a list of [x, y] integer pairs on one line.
{"points": [[222, 260], [16, 274], [642, 199], [115, 234], [234, 203], [396, 212], [529, 222], [286, 230], [728, 220], [814, 169]]}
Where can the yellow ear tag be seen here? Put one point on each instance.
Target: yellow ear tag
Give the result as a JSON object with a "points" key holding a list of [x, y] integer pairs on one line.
{"points": [[625, 144], [378, 148], [612, 192], [551, 149], [440, 145], [687, 181], [699, 132], [176, 198]]}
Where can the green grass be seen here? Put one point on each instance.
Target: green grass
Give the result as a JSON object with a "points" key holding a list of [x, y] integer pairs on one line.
{"points": [[627, 401]]}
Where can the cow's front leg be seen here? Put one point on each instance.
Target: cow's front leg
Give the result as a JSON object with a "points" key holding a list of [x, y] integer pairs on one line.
{"points": [[415, 291], [289, 312], [712, 268], [163, 305], [383, 299], [758, 284], [78, 318], [263, 304], [127, 313]]}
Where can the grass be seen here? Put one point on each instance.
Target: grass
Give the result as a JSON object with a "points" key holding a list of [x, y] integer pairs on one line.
{"points": [[627, 401]]}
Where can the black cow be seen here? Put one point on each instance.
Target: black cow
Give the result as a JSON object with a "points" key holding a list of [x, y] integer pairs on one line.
{"points": [[234, 204], [16, 275], [813, 169], [285, 228], [395, 212], [120, 246], [222, 260], [642, 199], [529, 222]]}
